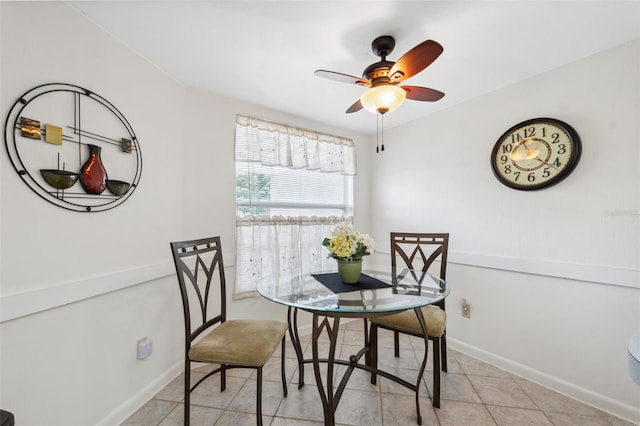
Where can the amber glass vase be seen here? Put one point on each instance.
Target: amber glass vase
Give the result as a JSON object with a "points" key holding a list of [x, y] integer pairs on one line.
{"points": [[93, 176]]}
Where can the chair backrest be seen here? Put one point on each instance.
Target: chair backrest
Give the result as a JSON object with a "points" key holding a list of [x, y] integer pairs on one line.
{"points": [[420, 250], [200, 272]]}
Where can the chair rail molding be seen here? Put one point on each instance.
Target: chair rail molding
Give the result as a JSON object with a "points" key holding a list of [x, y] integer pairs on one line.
{"points": [[581, 272], [30, 302]]}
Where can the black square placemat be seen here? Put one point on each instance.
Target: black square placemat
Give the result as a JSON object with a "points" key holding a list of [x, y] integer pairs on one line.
{"points": [[333, 282]]}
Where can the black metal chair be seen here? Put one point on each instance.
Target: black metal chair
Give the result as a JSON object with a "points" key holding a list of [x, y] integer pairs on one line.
{"points": [[7, 418], [212, 338], [418, 251]]}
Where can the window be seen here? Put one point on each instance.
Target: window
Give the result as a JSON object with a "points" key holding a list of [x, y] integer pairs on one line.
{"points": [[280, 191], [292, 186]]}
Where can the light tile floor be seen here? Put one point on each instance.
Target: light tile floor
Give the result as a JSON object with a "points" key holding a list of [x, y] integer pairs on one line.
{"points": [[472, 393]]}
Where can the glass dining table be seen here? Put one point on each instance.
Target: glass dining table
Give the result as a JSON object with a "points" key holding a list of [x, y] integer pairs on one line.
{"points": [[380, 291]]}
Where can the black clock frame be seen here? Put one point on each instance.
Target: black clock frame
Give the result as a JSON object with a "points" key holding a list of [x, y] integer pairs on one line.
{"points": [[574, 158]]}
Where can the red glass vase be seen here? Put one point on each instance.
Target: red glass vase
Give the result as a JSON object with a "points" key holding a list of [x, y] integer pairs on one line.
{"points": [[93, 176]]}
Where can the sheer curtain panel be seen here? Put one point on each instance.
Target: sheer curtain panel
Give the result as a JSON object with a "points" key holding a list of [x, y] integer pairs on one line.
{"points": [[273, 144], [268, 245], [293, 186]]}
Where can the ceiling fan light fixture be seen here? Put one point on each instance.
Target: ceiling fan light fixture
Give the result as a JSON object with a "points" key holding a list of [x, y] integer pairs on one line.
{"points": [[383, 98]]}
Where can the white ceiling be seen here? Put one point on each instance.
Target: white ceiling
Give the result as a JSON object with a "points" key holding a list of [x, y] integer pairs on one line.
{"points": [[266, 52]]}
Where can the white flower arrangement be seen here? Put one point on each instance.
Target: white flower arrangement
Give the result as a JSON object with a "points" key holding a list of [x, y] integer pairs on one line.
{"points": [[348, 245]]}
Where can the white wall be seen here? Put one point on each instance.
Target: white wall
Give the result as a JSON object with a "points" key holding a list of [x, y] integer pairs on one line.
{"points": [[75, 362], [552, 275], [78, 290]]}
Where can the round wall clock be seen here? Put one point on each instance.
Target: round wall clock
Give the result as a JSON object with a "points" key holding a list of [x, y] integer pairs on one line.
{"points": [[536, 154], [73, 148]]}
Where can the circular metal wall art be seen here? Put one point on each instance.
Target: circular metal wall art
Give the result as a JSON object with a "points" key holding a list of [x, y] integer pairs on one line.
{"points": [[73, 148]]}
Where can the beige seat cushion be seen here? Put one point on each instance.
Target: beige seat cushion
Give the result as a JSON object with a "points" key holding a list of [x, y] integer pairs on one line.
{"points": [[406, 321], [248, 343]]}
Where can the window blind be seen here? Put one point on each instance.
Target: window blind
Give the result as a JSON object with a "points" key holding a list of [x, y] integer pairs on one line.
{"points": [[285, 171]]}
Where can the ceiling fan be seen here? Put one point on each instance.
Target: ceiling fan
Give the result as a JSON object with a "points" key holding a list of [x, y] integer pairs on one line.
{"points": [[383, 77]]}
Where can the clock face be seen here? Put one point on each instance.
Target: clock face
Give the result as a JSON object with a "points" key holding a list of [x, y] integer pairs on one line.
{"points": [[536, 154]]}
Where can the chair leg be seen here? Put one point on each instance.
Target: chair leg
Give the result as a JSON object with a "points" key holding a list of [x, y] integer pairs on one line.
{"points": [[223, 377], [259, 398], [367, 355], [436, 373], [187, 392], [282, 368], [396, 344], [373, 351], [443, 350]]}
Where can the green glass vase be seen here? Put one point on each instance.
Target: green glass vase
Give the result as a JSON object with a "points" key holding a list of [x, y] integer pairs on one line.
{"points": [[349, 270]]}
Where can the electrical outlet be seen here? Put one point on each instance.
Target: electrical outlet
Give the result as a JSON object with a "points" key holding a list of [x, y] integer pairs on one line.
{"points": [[466, 309], [145, 348]]}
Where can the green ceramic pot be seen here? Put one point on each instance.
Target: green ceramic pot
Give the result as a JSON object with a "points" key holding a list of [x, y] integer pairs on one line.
{"points": [[350, 270]]}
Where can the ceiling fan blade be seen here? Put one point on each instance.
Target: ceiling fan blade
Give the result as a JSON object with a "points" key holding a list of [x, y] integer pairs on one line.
{"points": [[415, 60], [355, 107], [418, 93], [343, 78]]}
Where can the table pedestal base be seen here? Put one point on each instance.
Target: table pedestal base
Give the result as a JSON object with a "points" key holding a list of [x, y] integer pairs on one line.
{"points": [[331, 325]]}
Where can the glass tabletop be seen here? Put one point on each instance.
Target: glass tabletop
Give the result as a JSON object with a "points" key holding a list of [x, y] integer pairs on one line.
{"points": [[401, 289]]}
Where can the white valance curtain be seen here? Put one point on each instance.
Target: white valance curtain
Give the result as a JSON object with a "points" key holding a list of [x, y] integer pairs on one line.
{"points": [[273, 144], [279, 245]]}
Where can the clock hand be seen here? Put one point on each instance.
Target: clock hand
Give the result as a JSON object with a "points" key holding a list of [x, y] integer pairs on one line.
{"points": [[542, 161]]}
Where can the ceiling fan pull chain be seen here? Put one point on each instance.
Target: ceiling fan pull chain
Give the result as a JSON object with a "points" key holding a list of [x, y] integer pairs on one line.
{"points": [[382, 131], [377, 135]]}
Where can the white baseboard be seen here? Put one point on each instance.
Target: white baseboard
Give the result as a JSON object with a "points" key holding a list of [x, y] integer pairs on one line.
{"points": [[601, 402], [130, 406]]}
